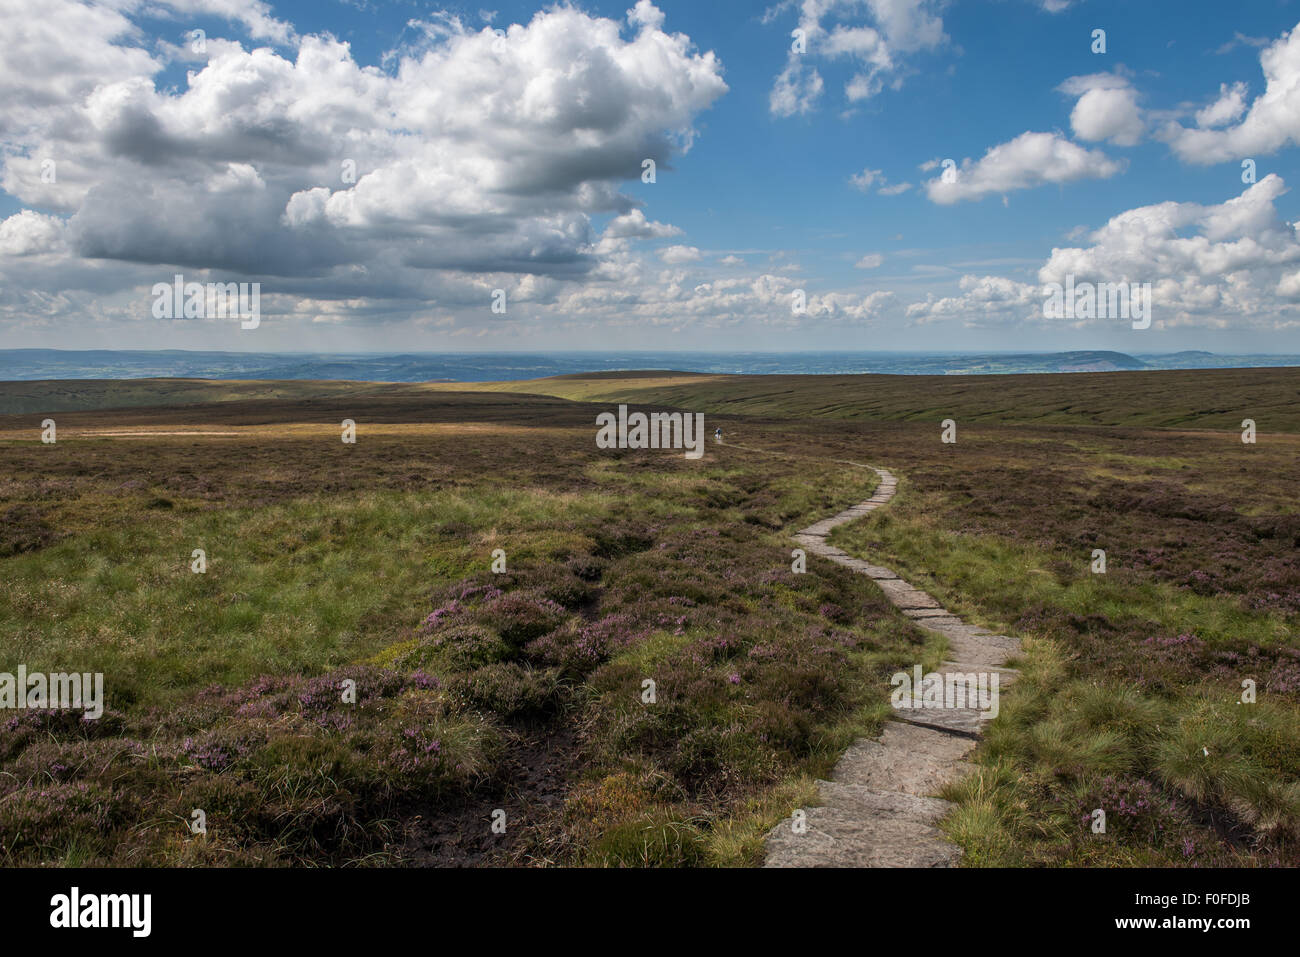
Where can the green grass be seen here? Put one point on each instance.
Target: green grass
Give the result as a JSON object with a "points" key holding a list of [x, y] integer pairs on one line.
{"points": [[1065, 745], [994, 581], [292, 589], [1099, 716]]}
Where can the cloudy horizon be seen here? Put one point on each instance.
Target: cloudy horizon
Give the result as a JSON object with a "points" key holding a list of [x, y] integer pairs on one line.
{"points": [[866, 175]]}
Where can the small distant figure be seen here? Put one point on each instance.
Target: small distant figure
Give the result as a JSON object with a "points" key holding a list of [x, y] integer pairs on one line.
{"points": [[717, 435]]}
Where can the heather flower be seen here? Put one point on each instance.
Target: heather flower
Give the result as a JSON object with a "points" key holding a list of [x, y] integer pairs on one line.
{"points": [[213, 753], [440, 615], [580, 649], [1135, 810], [423, 681]]}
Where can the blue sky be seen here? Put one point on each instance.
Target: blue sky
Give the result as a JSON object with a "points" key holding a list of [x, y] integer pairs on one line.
{"points": [[514, 168]]}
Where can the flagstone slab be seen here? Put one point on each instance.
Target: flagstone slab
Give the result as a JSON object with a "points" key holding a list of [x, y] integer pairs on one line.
{"points": [[844, 837], [906, 758]]}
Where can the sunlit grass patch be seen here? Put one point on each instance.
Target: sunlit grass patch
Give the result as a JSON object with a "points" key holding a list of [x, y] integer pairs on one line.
{"points": [[307, 585]]}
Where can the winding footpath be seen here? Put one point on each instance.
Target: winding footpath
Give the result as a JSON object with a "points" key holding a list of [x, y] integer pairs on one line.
{"points": [[879, 808]]}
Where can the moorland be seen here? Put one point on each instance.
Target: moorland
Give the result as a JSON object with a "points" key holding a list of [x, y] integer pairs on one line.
{"points": [[521, 694]]}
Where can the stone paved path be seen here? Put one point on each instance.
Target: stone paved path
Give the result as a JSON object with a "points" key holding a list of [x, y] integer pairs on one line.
{"points": [[879, 809]]}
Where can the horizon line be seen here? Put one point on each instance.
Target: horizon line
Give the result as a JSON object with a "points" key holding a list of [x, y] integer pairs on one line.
{"points": [[708, 352]]}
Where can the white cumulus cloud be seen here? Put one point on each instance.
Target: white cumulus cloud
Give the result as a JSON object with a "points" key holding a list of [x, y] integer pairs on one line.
{"points": [[875, 37], [1271, 122], [1107, 109], [1029, 160]]}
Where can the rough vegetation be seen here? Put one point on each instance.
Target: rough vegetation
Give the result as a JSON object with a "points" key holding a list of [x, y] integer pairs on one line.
{"points": [[523, 691], [474, 691]]}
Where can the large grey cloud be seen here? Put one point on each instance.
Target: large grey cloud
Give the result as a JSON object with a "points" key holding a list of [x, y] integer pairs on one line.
{"points": [[475, 151]]}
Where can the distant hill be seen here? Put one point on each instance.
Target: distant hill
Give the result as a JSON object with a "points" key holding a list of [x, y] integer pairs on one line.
{"points": [[1096, 361]]}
